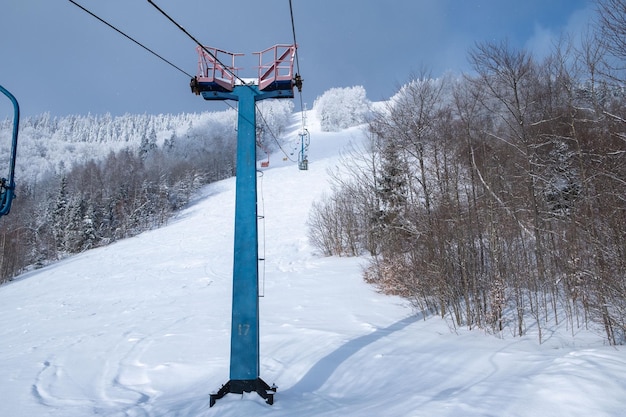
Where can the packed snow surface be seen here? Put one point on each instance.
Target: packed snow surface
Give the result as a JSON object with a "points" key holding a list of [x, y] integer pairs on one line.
{"points": [[142, 328]]}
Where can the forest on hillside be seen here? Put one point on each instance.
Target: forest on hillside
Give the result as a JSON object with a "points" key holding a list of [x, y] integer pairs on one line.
{"points": [[87, 181], [497, 198]]}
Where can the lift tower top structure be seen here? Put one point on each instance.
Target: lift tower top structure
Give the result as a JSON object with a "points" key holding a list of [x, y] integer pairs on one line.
{"points": [[217, 79]]}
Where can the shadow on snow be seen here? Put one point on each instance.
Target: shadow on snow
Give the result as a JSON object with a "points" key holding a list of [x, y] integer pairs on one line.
{"points": [[324, 368]]}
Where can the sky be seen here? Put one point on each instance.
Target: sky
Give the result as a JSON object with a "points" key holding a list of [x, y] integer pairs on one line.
{"points": [[142, 328], [56, 58]]}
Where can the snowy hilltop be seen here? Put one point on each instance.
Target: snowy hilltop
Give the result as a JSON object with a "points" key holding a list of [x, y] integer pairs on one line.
{"points": [[141, 327]]}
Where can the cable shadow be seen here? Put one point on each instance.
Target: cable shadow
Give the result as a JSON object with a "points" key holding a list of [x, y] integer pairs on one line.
{"points": [[324, 368]]}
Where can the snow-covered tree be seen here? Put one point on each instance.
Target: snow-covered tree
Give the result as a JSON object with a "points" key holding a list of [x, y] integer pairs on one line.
{"points": [[340, 108]]}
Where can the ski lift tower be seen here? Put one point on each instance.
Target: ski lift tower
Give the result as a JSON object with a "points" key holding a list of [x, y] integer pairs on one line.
{"points": [[7, 185], [219, 81]]}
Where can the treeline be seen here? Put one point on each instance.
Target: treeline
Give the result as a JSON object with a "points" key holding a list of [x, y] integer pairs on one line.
{"points": [[52, 145], [93, 192], [498, 198], [99, 202]]}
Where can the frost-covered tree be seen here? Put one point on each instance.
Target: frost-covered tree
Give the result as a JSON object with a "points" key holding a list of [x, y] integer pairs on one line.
{"points": [[88, 180], [58, 215], [340, 108], [89, 238], [148, 143]]}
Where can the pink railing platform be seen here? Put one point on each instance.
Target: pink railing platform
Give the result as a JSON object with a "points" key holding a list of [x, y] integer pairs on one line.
{"points": [[214, 68], [276, 67], [217, 70]]}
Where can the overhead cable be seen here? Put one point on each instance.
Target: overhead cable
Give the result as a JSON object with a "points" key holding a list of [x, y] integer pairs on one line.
{"points": [[231, 72], [222, 64], [272, 133], [130, 38], [295, 43]]}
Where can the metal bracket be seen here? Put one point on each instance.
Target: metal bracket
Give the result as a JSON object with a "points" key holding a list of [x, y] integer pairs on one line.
{"points": [[240, 386]]}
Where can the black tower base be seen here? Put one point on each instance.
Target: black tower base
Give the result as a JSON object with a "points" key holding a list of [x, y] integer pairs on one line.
{"points": [[246, 385]]}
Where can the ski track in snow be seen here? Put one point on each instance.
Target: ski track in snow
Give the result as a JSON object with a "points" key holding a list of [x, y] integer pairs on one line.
{"points": [[142, 329]]}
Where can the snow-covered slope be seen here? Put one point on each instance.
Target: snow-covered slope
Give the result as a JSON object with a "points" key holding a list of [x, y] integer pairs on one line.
{"points": [[141, 328]]}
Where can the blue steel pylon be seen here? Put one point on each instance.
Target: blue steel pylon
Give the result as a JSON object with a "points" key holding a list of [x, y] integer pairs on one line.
{"points": [[217, 82], [244, 336]]}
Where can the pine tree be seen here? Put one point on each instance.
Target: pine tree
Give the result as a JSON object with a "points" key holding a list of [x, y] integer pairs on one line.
{"points": [[58, 214], [89, 237], [148, 144]]}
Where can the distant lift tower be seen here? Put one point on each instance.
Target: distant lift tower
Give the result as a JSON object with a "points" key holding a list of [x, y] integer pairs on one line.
{"points": [[305, 140], [217, 80], [7, 184]]}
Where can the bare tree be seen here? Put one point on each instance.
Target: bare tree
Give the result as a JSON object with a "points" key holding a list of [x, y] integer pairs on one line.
{"points": [[612, 28]]}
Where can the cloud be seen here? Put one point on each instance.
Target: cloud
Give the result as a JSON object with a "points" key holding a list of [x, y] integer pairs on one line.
{"points": [[543, 39]]}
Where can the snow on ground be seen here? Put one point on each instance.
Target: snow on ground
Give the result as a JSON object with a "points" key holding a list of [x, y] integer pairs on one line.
{"points": [[141, 328]]}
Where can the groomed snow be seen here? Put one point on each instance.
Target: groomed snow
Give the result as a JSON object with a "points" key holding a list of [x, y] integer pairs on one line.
{"points": [[141, 328]]}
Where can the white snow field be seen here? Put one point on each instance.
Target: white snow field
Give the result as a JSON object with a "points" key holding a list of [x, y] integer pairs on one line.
{"points": [[142, 328]]}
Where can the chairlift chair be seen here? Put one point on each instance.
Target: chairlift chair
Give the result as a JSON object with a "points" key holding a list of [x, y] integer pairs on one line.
{"points": [[7, 184]]}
